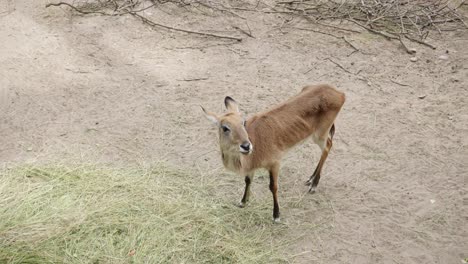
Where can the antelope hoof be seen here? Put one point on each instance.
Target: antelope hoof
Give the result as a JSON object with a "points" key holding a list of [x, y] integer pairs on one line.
{"points": [[276, 220], [241, 204], [310, 180], [312, 189]]}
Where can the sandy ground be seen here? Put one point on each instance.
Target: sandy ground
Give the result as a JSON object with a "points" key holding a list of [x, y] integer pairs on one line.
{"points": [[111, 90]]}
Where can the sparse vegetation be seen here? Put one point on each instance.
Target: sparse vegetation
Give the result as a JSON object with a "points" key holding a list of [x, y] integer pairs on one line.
{"points": [[156, 215]]}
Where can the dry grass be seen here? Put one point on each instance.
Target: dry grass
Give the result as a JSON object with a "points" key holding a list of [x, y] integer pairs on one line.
{"points": [[154, 215]]}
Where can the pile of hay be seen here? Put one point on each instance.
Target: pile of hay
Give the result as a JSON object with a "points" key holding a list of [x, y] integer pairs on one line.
{"points": [[155, 215]]}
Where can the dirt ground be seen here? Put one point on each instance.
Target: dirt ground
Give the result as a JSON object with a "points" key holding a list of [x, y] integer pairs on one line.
{"points": [[112, 90]]}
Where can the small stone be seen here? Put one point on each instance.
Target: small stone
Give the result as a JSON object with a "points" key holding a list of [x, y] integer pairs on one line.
{"points": [[29, 149], [412, 50], [413, 59], [443, 57], [422, 96], [450, 117]]}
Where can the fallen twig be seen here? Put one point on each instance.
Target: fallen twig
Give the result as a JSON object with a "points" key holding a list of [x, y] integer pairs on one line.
{"points": [[329, 34], [220, 9], [77, 9], [244, 32], [318, 31], [194, 79], [349, 43], [337, 27], [381, 33], [339, 65], [420, 42], [328, 25], [401, 84], [144, 19], [404, 46], [154, 24]]}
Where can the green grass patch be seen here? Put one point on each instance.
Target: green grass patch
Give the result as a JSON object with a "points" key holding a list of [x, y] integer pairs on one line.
{"points": [[154, 215]]}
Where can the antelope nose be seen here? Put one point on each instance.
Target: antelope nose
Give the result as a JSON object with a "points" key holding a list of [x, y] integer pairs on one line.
{"points": [[245, 146]]}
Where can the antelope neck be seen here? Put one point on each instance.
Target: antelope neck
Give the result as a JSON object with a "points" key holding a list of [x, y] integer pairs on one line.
{"points": [[232, 161]]}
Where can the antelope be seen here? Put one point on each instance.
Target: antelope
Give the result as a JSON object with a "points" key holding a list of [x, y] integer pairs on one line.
{"points": [[262, 140]]}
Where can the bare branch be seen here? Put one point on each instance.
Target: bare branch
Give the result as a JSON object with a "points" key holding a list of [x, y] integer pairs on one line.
{"points": [[127, 10], [77, 9], [154, 24]]}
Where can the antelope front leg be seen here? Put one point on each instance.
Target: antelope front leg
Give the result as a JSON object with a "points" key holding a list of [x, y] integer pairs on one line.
{"points": [[315, 178], [246, 196], [274, 173]]}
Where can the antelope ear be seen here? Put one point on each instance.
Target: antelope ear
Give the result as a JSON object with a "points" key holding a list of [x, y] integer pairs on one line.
{"points": [[231, 104], [210, 116]]}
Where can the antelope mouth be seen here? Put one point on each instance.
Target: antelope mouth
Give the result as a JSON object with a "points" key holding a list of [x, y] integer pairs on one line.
{"points": [[245, 152]]}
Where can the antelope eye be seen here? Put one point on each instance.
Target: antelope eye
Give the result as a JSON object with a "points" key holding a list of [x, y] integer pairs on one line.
{"points": [[225, 128]]}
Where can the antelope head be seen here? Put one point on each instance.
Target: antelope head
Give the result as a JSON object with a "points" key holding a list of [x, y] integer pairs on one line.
{"points": [[233, 137]]}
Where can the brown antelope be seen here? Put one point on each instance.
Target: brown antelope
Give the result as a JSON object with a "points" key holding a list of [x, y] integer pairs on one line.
{"points": [[261, 141]]}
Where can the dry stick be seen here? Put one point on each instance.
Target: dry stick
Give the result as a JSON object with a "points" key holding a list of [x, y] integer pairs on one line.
{"points": [[76, 9], [290, 2], [339, 65], [420, 42], [402, 25], [250, 31], [243, 9], [337, 27], [331, 26], [139, 10], [350, 44], [220, 9], [381, 33], [278, 12], [232, 12], [244, 32], [329, 34], [202, 47], [145, 20], [126, 6], [395, 82], [303, 15], [460, 4], [317, 31], [404, 46], [194, 79], [154, 24]]}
